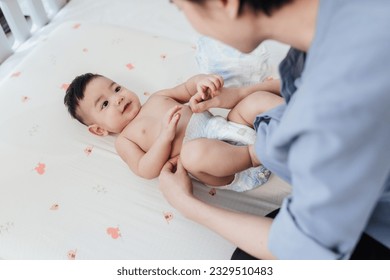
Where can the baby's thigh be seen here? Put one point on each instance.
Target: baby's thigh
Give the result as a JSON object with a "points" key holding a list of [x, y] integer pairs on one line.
{"points": [[214, 156], [254, 104], [192, 153]]}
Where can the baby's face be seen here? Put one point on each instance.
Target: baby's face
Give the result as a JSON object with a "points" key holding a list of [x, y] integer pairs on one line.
{"points": [[108, 105]]}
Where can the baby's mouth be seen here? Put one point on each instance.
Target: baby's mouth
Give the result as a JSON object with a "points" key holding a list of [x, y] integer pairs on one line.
{"points": [[126, 106]]}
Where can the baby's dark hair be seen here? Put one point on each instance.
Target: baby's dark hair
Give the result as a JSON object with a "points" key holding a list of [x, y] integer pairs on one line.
{"points": [[265, 6], [75, 93]]}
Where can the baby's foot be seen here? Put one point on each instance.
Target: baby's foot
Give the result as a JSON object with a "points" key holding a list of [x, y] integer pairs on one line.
{"points": [[249, 179]]}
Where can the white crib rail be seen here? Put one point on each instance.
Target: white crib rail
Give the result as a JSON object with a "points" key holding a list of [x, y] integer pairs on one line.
{"points": [[38, 14], [5, 48], [20, 29]]}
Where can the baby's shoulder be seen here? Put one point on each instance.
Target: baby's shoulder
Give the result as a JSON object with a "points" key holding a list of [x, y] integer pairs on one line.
{"points": [[164, 93], [158, 98]]}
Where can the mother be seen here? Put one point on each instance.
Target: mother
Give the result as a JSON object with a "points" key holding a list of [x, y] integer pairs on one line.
{"points": [[330, 140]]}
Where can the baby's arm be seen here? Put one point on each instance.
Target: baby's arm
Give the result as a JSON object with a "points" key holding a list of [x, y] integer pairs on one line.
{"points": [[149, 164], [203, 84]]}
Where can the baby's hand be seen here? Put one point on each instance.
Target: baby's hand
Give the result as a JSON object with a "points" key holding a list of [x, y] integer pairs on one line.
{"points": [[208, 86], [169, 123]]}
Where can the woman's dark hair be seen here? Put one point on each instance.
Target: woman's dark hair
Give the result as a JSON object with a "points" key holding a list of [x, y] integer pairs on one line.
{"points": [[266, 6], [75, 93]]}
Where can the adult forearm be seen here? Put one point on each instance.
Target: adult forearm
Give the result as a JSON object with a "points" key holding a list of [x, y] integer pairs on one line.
{"points": [[248, 232], [272, 86]]}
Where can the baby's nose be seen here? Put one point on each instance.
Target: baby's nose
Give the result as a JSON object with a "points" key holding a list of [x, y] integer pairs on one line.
{"points": [[119, 100]]}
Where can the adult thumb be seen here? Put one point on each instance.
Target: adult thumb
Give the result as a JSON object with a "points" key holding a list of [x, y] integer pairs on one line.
{"points": [[203, 106], [180, 167]]}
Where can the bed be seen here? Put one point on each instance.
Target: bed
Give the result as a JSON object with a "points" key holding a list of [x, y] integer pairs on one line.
{"points": [[65, 194]]}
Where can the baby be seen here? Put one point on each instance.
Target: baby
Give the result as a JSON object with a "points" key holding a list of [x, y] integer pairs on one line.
{"points": [[214, 150]]}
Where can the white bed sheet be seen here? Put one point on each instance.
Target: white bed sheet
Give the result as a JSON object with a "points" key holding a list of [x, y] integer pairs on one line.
{"points": [[66, 194]]}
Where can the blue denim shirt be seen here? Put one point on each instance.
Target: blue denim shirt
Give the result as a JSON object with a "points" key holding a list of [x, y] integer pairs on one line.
{"points": [[331, 140]]}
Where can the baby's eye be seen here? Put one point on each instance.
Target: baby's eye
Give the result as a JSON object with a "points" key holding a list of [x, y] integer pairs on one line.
{"points": [[118, 88], [104, 104]]}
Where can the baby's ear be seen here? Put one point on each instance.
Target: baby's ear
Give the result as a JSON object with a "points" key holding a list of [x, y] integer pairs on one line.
{"points": [[97, 130]]}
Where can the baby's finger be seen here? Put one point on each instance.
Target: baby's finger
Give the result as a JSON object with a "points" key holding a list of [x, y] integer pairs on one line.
{"points": [[174, 121], [215, 83], [211, 85], [201, 90], [220, 81], [171, 113]]}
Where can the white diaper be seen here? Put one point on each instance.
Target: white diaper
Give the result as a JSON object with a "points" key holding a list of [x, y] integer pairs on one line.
{"points": [[206, 125]]}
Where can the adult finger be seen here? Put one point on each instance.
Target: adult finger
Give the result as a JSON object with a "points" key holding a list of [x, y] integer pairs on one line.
{"points": [[168, 167]]}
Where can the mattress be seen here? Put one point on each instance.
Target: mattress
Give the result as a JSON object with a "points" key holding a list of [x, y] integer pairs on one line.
{"points": [[66, 194]]}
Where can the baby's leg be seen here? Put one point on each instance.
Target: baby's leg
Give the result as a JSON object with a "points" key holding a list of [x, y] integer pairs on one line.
{"points": [[215, 162], [254, 104]]}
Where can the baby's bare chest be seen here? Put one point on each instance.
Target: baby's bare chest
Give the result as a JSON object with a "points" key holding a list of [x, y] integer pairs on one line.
{"points": [[145, 129]]}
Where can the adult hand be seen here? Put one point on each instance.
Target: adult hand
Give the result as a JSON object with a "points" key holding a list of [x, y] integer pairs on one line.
{"points": [[175, 184], [253, 232]]}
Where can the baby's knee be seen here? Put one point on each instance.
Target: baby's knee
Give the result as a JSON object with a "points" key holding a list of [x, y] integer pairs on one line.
{"points": [[261, 101]]}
